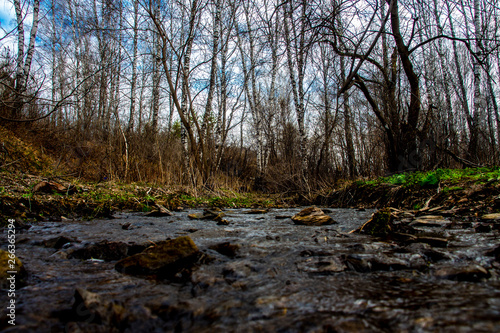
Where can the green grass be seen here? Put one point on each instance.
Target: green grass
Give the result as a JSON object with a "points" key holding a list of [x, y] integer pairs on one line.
{"points": [[433, 178], [452, 188]]}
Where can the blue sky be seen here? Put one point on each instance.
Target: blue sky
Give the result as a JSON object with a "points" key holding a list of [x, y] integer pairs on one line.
{"points": [[6, 13]]}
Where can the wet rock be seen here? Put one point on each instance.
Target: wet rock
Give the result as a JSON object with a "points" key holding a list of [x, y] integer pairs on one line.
{"points": [[369, 262], [427, 252], [237, 270], [358, 263], [381, 224], [166, 259], [223, 222], [387, 263], [58, 242], [182, 316], [92, 308], [471, 273], [257, 211], [226, 248], [127, 226], [219, 219], [494, 253], [208, 214], [159, 211], [321, 265], [202, 281], [313, 253], [105, 250], [13, 275], [483, 227], [312, 216]]}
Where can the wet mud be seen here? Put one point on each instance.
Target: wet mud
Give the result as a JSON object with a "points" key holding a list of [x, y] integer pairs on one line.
{"points": [[259, 273]]}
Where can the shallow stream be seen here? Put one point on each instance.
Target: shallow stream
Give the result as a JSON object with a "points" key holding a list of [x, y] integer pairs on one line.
{"points": [[275, 277]]}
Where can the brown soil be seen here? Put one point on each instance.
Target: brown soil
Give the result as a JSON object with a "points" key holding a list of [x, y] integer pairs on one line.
{"points": [[463, 199]]}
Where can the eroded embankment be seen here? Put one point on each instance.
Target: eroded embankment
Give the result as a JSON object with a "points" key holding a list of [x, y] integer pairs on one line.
{"points": [[467, 199]]}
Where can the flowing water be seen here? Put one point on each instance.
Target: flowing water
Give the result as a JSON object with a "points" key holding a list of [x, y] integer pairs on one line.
{"points": [[278, 277]]}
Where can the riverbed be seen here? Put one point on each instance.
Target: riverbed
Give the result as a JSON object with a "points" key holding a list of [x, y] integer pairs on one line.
{"points": [[261, 273]]}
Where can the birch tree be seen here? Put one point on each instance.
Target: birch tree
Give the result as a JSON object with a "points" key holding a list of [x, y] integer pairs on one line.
{"points": [[296, 52], [24, 54], [133, 79]]}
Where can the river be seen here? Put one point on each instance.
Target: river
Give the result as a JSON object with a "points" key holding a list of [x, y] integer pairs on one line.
{"points": [[265, 274]]}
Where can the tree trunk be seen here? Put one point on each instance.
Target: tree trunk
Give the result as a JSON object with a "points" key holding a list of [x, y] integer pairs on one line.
{"points": [[23, 64], [185, 102], [351, 158], [297, 59], [450, 123], [407, 151], [133, 79], [479, 107], [213, 70]]}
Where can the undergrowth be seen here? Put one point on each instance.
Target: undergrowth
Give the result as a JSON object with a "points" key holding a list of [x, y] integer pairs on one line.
{"points": [[436, 177]]}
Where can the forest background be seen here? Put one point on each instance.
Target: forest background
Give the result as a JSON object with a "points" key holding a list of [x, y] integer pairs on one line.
{"points": [[271, 95]]}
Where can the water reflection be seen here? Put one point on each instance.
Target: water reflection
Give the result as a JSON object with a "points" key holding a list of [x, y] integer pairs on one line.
{"points": [[282, 278]]}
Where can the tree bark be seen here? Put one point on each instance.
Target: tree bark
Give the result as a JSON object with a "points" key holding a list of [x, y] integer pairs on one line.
{"points": [[407, 151], [213, 70], [23, 64], [479, 105], [133, 79]]}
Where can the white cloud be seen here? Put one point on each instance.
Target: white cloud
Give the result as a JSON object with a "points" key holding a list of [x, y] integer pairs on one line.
{"points": [[7, 14]]}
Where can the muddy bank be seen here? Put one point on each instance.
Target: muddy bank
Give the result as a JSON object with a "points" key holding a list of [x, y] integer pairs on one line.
{"points": [[261, 272], [467, 199], [33, 198]]}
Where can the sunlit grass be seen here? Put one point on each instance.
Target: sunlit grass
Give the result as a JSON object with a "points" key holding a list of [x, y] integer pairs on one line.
{"points": [[435, 177]]}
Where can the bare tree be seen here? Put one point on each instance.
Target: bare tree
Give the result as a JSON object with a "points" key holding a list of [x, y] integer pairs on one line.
{"points": [[297, 53], [24, 55]]}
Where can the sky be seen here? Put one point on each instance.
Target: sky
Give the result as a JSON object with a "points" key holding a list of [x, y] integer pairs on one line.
{"points": [[8, 23], [6, 13]]}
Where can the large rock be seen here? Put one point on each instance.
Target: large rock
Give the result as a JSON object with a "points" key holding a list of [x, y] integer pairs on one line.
{"points": [[312, 216], [166, 259], [379, 225], [105, 250], [210, 214], [9, 264]]}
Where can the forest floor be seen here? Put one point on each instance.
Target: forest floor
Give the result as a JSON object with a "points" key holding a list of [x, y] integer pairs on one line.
{"points": [[36, 198], [29, 190]]}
